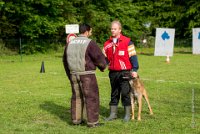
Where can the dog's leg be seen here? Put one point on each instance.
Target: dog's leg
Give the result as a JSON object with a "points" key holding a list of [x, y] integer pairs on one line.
{"points": [[147, 100], [132, 105], [140, 106]]}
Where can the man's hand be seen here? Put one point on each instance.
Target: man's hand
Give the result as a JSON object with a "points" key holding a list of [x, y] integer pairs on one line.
{"points": [[101, 67], [102, 70], [134, 74]]}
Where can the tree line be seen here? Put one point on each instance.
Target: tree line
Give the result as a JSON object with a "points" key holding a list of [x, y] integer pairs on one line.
{"points": [[45, 19]]}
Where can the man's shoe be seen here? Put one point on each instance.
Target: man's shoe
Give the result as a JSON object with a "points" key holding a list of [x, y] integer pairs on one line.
{"points": [[127, 113], [79, 123], [113, 113], [95, 125]]}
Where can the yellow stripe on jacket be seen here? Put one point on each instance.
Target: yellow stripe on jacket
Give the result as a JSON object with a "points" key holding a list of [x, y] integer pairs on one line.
{"points": [[131, 50]]}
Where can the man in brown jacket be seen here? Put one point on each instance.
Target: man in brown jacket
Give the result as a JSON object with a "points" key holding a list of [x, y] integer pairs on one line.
{"points": [[80, 59]]}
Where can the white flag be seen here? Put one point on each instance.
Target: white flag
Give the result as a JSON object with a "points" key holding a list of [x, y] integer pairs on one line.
{"points": [[164, 43]]}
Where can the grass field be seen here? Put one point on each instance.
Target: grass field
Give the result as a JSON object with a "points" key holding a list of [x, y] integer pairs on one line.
{"points": [[34, 102]]}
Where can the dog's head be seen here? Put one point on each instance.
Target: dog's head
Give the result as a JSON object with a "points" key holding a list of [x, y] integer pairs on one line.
{"points": [[135, 82]]}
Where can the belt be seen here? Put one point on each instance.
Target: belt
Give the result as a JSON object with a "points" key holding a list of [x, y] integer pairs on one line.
{"points": [[83, 73]]}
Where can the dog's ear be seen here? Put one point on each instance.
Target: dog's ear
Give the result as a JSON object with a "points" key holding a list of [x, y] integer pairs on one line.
{"points": [[138, 76]]}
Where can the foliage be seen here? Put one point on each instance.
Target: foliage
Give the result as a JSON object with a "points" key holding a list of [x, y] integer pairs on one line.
{"points": [[4, 50], [45, 19]]}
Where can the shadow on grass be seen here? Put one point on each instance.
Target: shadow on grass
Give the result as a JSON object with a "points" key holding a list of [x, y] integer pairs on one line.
{"points": [[104, 111], [145, 53], [62, 112], [176, 51], [59, 56], [182, 52]]}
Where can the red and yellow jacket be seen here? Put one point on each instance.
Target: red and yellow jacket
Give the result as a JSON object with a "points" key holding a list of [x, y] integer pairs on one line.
{"points": [[121, 55]]}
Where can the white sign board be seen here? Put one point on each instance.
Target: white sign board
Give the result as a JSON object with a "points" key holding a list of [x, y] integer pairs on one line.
{"points": [[164, 43], [72, 28], [196, 41]]}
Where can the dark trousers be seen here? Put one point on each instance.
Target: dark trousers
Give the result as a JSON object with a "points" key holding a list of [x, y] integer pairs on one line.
{"points": [[119, 86], [85, 99]]}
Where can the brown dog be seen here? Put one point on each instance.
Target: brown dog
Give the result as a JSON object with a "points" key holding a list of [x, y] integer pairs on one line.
{"points": [[137, 92]]}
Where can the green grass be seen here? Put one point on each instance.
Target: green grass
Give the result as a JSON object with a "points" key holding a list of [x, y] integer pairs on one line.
{"points": [[31, 102]]}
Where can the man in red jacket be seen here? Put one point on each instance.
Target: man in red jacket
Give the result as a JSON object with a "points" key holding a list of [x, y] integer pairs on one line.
{"points": [[121, 55]]}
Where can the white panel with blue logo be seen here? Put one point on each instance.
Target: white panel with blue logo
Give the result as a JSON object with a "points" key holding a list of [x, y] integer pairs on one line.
{"points": [[164, 43], [196, 41]]}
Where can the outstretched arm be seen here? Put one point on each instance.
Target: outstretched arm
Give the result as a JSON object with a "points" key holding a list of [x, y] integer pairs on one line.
{"points": [[97, 56]]}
